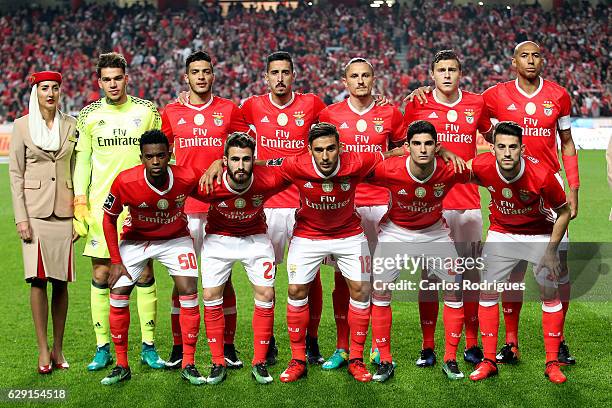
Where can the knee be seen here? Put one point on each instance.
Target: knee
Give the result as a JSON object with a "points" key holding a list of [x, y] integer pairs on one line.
{"points": [[297, 292], [212, 294], [265, 294], [381, 297], [100, 275]]}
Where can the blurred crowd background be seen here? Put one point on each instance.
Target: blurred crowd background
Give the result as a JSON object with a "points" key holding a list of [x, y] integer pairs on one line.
{"points": [[400, 41]]}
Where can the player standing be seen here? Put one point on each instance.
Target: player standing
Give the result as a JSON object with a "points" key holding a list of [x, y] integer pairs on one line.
{"points": [[523, 192], [363, 127], [457, 116], [542, 108], [109, 133], [281, 120], [156, 228], [197, 131], [236, 232], [414, 226]]}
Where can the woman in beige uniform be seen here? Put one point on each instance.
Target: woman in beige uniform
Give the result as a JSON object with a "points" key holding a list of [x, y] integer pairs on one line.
{"points": [[40, 169]]}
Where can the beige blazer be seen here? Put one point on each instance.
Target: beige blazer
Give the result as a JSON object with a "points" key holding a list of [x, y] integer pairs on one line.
{"points": [[41, 182]]}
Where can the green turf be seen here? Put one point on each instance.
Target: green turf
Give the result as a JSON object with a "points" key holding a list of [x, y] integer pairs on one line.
{"points": [[588, 331]]}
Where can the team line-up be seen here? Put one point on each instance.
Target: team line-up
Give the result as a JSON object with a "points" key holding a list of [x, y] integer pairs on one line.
{"points": [[346, 184]]}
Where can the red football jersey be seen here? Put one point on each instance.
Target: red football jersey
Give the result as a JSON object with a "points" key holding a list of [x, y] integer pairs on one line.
{"points": [[539, 114], [153, 214], [367, 131], [240, 213], [282, 131], [457, 125], [198, 133], [416, 204], [522, 205], [327, 203]]}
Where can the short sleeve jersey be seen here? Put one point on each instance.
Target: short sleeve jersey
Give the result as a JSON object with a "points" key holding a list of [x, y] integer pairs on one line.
{"points": [[370, 130], [111, 134], [282, 131], [539, 114], [327, 202], [153, 214], [457, 125], [416, 203], [240, 213], [198, 133], [521, 205]]}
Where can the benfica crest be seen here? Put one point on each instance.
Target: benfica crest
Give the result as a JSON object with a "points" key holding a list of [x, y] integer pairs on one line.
{"points": [[548, 108], [378, 124], [345, 184], [299, 118], [438, 190], [257, 200], [524, 195], [469, 116], [179, 201], [218, 119]]}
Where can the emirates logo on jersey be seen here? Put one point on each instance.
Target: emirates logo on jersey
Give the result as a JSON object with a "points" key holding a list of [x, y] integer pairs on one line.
{"points": [[299, 118], [217, 119], [548, 108], [438, 190], [469, 116], [378, 124]]}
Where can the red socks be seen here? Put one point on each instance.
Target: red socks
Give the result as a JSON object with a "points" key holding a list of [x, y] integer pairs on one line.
{"points": [[119, 320], [315, 305], [382, 317], [229, 311], [297, 322], [340, 297], [564, 294], [358, 320], [177, 338], [470, 317], [453, 325], [488, 317], [215, 325], [190, 326], [552, 326], [428, 312], [263, 323]]}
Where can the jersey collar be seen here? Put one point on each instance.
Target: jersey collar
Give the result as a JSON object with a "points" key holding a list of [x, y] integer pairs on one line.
{"points": [[518, 176], [201, 108], [525, 94], [282, 106], [231, 190], [170, 181], [450, 105], [358, 112], [316, 169], [418, 180]]}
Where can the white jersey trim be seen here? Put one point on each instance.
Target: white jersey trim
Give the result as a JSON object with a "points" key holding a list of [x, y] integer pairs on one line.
{"points": [[285, 105], [356, 111], [417, 179], [231, 190], [518, 176], [200, 108], [450, 105], [525, 94], [170, 182]]}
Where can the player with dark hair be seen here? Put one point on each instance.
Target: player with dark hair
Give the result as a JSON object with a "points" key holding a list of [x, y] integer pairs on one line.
{"points": [[524, 194], [458, 115], [110, 131], [363, 127], [280, 120], [236, 232], [154, 194], [414, 226], [197, 131]]}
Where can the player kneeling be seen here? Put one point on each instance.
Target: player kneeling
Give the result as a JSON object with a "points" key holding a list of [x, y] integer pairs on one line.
{"points": [[236, 232], [156, 228], [522, 229]]}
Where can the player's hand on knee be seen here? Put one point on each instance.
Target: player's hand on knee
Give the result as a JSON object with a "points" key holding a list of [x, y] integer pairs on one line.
{"points": [[24, 231], [116, 272], [551, 262]]}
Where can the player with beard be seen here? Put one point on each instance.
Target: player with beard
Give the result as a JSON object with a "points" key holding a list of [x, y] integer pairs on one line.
{"points": [[197, 130]]}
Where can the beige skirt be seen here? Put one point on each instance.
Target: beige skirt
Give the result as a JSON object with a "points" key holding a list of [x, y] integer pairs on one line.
{"points": [[50, 254]]}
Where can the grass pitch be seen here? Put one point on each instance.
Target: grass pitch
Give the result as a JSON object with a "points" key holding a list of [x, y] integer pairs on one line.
{"points": [[588, 330]]}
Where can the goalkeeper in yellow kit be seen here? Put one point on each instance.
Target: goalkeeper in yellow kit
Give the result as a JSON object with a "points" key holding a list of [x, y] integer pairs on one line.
{"points": [[109, 135]]}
